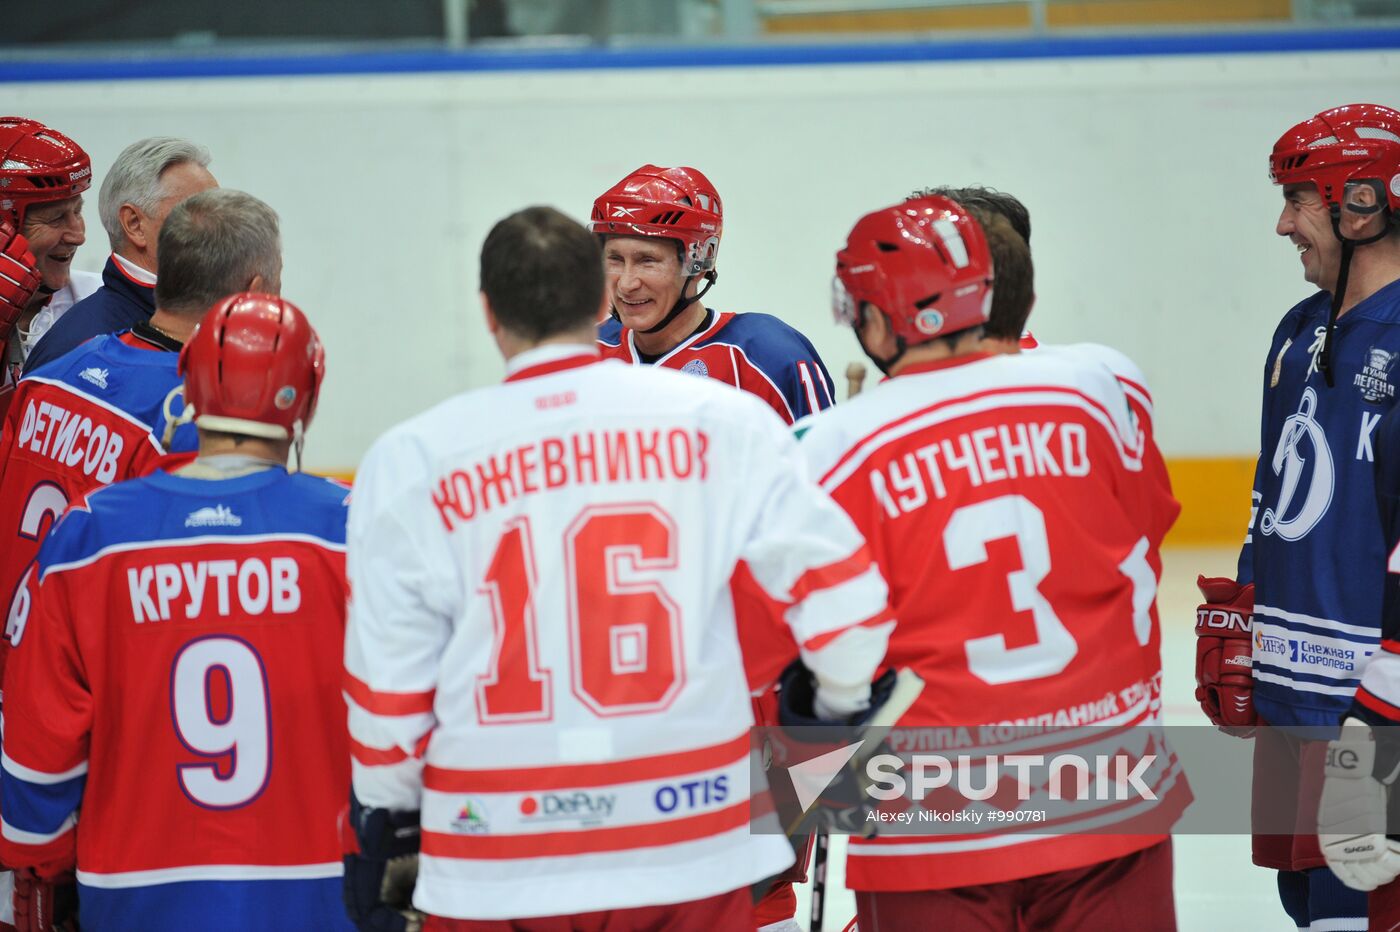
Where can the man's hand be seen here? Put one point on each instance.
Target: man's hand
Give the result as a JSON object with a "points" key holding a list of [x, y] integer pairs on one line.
{"points": [[1224, 657], [380, 875], [19, 277], [43, 905], [1351, 821]]}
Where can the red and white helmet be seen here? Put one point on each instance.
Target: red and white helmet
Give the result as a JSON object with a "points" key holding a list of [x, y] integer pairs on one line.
{"points": [[253, 366], [37, 165], [674, 203], [1342, 146], [924, 263]]}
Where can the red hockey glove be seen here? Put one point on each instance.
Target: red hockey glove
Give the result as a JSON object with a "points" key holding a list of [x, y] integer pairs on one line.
{"points": [[44, 905], [1224, 658], [19, 277]]}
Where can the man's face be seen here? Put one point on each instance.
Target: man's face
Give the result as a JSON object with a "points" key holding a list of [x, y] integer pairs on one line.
{"points": [[55, 230], [1307, 223], [644, 279], [178, 182]]}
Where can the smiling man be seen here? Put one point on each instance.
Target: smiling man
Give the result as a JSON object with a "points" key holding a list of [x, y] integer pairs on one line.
{"points": [[43, 175], [661, 229], [1313, 566], [146, 181]]}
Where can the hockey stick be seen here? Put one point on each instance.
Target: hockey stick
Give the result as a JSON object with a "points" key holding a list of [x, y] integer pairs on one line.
{"points": [[819, 882], [908, 686]]}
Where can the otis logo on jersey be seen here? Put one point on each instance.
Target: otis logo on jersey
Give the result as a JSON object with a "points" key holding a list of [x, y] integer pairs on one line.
{"points": [[692, 793]]}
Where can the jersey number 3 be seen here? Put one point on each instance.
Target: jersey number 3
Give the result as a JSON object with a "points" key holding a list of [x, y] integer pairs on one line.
{"points": [[965, 538], [624, 630]]}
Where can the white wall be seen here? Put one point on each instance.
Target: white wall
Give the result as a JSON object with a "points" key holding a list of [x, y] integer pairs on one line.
{"points": [[1146, 179]]}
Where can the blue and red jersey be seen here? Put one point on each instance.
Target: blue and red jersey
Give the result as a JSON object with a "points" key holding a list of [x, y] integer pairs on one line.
{"points": [[756, 353], [177, 686], [88, 419]]}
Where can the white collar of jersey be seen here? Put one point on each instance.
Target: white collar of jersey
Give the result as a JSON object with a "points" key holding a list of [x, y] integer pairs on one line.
{"points": [[550, 352], [134, 272]]}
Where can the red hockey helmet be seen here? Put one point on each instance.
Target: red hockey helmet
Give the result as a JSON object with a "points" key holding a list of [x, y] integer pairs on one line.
{"points": [[253, 366], [1342, 146], [924, 263], [674, 203], [37, 165]]}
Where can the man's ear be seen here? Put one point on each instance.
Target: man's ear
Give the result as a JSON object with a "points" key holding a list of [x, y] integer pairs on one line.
{"points": [[133, 224], [876, 332], [261, 285], [493, 325], [1363, 212]]}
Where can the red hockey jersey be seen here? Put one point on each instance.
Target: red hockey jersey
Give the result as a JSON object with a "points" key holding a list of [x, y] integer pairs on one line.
{"points": [[88, 419], [1007, 503], [177, 688]]}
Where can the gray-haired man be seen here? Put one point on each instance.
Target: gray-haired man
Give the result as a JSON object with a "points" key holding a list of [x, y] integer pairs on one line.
{"points": [[148, 179]]}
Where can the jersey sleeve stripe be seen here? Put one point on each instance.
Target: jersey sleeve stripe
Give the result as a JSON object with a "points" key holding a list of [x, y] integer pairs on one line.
{"points": [[833, 574], [519, 780], [1022, 396], [592, 841], [1378, 705], [30, 775], [21, 837], [821, 640], [805, 376], [127, 879], [378, 702], [376, 757]]}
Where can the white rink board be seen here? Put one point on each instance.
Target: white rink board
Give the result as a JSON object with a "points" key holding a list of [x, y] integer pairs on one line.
{"points": [[1146, 177]]}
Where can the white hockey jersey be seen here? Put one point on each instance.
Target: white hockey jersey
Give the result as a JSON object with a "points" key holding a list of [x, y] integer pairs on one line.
{"points": [[542, 651]]}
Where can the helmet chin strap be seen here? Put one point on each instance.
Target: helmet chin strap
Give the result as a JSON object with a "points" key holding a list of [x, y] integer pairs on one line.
{"points": [[884, 365], [683, 302], [1324, 359]]}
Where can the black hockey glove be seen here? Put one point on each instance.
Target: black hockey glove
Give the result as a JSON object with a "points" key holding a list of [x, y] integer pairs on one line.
{"points": [[843, 804], [797, 697], [378, 886]]}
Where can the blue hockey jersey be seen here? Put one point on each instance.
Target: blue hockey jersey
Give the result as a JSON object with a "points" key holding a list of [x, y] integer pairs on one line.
{"points": [[1315, 551], [756, 353], [177, 690]]}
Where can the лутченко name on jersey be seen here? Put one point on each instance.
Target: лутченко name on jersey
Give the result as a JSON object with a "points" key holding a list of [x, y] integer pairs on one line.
{"points": [[984, 455], [70, 439], [584, 458], [193, 588]]}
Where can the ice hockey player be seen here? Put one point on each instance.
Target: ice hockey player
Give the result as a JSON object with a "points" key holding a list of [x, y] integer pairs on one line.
{"points": [[661, 230], [43, 175], [1005, 499], [197, 613], [100, 414], [1313, 568], [541, 659]]}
